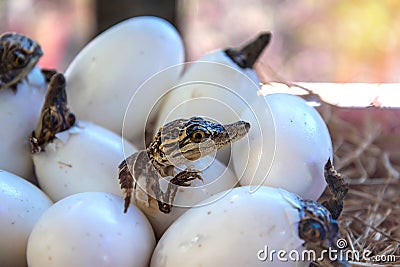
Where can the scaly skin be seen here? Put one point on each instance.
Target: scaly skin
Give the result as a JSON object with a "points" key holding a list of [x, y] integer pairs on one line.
{"points": [[18, 56], [246, 56], [318, 226], [338, 188], [176, 143], [55, 116]]}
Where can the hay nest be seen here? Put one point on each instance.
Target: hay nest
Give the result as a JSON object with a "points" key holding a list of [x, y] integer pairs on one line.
{"points": [[367, 154]]}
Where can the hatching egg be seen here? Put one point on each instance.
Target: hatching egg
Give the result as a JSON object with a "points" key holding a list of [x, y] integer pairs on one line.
{"points": [[212, 94], [211, 87], [220, 80], [216, 178], [105, 75], [90, 229], [21, 205], [218, 85], [286, 150], [19, 112], [82, 158], [231, 228]]}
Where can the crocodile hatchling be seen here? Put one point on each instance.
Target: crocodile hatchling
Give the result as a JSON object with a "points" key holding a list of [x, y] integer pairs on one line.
{"points": [[318, 226], [55, 115], [19, 55], [181, 141], [177, 143]]}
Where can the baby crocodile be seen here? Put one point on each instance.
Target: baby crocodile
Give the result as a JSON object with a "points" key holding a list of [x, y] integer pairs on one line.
{"points": [[318, 226], [246, 56], [177, 143], [55, 116], [18, 56]]}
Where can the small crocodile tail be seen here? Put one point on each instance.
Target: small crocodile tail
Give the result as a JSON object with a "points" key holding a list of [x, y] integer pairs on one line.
{"points": [[126, 183]]}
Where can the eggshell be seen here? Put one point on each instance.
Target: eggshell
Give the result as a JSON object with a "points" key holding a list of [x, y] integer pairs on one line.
{"points": [[19, 113], [231, 228], [143, 108], [293, 156], [21, 205], [217, 178], [90, 229], [83, 158], [213, 86], [104, 76]]}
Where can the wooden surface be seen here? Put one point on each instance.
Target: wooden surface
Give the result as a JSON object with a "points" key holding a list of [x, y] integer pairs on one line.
{"points": [[384, 95]]}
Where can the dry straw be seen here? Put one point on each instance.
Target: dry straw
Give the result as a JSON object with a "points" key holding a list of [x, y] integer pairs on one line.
{"points": [[366, 143], [367, 153]]}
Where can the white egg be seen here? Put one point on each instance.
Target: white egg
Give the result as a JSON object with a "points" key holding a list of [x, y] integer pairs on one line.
{"points": [[21, 205], [289, 152], [19, 113], [215, 87], [82, 158], [231, 229], [90, 229], [210, 90], [217, 178], [105, 75], [144, 105]]}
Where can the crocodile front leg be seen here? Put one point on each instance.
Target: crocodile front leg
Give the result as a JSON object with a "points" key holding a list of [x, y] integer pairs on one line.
{"points": [[165, 200], [138, 166]]}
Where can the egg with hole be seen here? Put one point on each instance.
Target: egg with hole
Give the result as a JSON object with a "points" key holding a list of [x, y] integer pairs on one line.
{"points": [[215, 80], [73, 156], [21, 205], [19, 111], [104, 76], [216, 178], [288, 150], [219, 86], [90, 229], [241, 227], [83, 158]]}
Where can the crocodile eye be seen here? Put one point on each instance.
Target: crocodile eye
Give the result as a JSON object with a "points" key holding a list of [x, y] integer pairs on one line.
{"points": [[19, 59], [197, 136], [311, 231]]}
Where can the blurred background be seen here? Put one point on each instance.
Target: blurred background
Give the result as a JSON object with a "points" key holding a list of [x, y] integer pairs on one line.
{"points": [[313, 41]]}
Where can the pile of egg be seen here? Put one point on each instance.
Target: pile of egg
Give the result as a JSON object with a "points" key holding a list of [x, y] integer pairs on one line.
{"points": [[129, 81]]}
